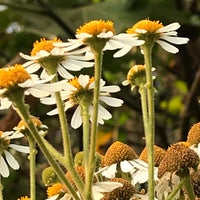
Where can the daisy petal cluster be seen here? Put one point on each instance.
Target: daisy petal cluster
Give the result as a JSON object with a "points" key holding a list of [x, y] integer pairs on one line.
{"points": [[79, 89], [154, 31], [6, 158], [53, 59], [15, 79], [102, 32]]}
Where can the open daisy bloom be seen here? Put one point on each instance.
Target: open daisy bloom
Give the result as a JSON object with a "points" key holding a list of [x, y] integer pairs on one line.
{"points": [[100, 34], [53, 59], [81, 89], [16, 81], [6, 158], [154, 31]]}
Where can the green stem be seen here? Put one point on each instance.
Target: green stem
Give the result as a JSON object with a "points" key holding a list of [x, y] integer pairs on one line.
{"points": [[32, 158], [66, 141], [86, 149], [150, 134], [22, 110], [94, 128], [1, 190], [143, 94], [176, 189], [189, 188]]}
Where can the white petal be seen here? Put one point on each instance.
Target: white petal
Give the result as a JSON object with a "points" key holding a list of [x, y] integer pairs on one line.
{"points": [[122, 51], [111, 101], [11, 160], [168, 47], [48, 101], [20, 148], [103, 113], [111, 88], [110, 171], [5, 103], [38, 93], [83, 36], [4, 171], [106, 186], [108, 34], [76, 120], [175, 40], [53, 112], [64, 73], [126, 166], [171, 27], [83, 80], [27, 57]]}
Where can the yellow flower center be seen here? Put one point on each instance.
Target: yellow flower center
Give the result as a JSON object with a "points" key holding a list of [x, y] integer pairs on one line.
{"points": [[24, 198], [148, 25], [54, 189], [43, 44], [77, 85], [13, 75], [96, 27]]}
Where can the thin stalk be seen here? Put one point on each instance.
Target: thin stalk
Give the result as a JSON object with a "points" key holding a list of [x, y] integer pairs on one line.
{"points": [[189, 188], [1, 190], [151, 118], [66, 141], [176, 189], [32, 158], [143, 94], [86, 149], [22, 110], [94, 128]]}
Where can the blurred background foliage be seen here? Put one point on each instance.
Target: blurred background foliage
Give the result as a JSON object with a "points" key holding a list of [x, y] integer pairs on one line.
{"points": [[22, 22]]}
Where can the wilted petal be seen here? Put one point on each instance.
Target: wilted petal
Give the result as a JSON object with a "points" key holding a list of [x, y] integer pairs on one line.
{"points": [[168, 47]]}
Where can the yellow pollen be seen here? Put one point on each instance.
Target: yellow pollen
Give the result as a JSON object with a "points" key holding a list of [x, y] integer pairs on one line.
{"points": [[77, 85], [35, 120], [24, 198], [148, 25], [96, 27], [54, 189], [43, 44], [12, 76]]}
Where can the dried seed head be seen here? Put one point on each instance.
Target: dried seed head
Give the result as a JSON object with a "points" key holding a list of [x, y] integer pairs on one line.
{"points": [[194, 134], [121, 193], [118, 152], [195, 180], [178, 158], [159, 154]]}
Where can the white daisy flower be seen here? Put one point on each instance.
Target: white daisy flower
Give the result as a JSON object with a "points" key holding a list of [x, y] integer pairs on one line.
{"points": [[82, 87], [6, 158], [154, 31], [51, 58], [103, 32], [98, 189], [15, 78]]}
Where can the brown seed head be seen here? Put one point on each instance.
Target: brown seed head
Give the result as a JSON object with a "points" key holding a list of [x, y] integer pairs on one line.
{"points": [[118, 152], [159, 154], [121, 193], [194, 134], [178, 158], [195, 180]]}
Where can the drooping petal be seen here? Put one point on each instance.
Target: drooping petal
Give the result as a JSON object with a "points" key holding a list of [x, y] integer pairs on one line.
{"points": [[175, 40], [126, 166], [76, 120], [103, 113], [106, 186], [168, 47], [171, 27], [4, 171], [110, 171], [11, 160]]}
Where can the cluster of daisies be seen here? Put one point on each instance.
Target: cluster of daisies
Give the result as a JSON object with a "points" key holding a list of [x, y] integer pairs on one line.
{"points": [[49, 69]]}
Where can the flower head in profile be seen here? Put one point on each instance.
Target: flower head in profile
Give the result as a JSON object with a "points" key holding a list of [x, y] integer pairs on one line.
{"points": [[179, 158], [22, 127], [100, 34], [80, 89], [6, 158], [54, 60], [154, 31], [15, 80]]}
